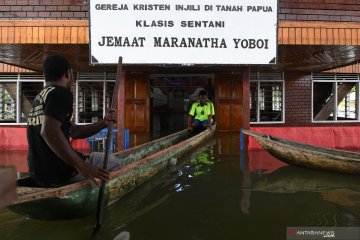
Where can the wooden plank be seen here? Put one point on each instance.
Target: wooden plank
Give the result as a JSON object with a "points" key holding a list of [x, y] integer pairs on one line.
{"points": [[246, 98], [17, 35], [336, 34], [41, 34], [348, 40], [298, 36], [47, 35], [292, 37], [35, 35], [317, 36], [4, 35], [354, 37], [280, 35], [323, 36], [82, 35], [61, 34], [67, 35], [342, 37], [304, 34], [54, 35], [224, 116], [11, 34], [285, 35], [7, 186], [23, 34], [29, 35], [74, 35], [122, 109], [311, 33], [329, 37], [237, 119]]}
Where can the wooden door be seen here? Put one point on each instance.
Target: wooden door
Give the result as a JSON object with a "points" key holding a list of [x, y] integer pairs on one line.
{"points": [[228, 101], [137, 99]]}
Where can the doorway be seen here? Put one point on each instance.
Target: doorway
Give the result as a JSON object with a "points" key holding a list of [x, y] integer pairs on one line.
{"points": [[171, 96]]}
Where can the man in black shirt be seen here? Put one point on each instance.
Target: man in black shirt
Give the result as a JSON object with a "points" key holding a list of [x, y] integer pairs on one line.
{"points": [[52, 161]]}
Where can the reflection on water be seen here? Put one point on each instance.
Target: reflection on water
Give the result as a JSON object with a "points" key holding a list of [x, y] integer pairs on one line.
{"points": [[14, 158], [214, 192]]}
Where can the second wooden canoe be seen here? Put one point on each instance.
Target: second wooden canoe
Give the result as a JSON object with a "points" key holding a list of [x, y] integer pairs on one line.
{"points": [[309, 156]]}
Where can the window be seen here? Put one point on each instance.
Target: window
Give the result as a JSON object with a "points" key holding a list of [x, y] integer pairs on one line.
{"points": [[28, 92], [335, 97], [8, 102], [93, 91], [17, 92], [266, 97]]}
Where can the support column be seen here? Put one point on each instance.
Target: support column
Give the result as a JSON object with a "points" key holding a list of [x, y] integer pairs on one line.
{"points": [[121, 108], [246, 97]]}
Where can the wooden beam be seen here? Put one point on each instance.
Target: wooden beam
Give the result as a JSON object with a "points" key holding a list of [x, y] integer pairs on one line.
{"points": [[318, 33], [121, 114], [44, 31], [7, 186], [246, 97], [77, 32]]}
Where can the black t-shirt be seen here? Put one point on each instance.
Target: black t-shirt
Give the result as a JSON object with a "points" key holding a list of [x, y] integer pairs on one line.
{"points": [[44, 165]]}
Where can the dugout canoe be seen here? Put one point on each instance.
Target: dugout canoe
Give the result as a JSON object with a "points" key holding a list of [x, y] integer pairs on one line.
{"points": [[80, 199], [309, 156]]}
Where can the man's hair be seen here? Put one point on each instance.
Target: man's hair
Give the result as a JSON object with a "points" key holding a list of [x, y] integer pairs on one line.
{"points": [[54, 67], [202, 93]]}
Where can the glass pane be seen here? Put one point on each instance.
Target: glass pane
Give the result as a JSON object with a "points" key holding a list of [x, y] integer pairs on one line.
{"points": [[109, 93], [347, 100], [90, 100], [253, 102], [270, 99], [28, 92], [323, 101], [8, 102]]}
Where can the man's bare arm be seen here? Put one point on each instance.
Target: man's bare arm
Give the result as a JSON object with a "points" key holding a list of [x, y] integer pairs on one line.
{"points": [[84, 131]]}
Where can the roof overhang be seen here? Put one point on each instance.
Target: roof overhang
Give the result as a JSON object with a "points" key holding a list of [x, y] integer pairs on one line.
{"points": [[303, 46]]}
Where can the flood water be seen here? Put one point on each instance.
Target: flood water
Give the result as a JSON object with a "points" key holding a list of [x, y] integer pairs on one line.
{"points": [[214, 192]]}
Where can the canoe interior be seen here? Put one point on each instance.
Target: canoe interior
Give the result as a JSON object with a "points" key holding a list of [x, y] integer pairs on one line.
{"points": [[79, 199]]}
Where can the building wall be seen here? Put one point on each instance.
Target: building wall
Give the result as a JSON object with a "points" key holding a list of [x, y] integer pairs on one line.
{"points": [[297, 99], [320, 10], [298, 105], [303, 10], [44, 9]]}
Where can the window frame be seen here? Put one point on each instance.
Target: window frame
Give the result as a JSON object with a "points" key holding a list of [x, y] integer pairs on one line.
{"points": [[81, 77], [261, 78], [20, 78], [335, 81]]}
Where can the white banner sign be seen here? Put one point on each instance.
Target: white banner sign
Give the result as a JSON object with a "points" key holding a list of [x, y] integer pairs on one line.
{"points": [[183, 31]]}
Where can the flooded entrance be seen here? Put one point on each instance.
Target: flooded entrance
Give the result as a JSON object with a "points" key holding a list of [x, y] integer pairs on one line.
{"points": [[171, 98], [214, 192]]}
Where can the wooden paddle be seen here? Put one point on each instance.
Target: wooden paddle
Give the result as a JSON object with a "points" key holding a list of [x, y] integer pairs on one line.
{"points": [[100, 204], [7, 185]]}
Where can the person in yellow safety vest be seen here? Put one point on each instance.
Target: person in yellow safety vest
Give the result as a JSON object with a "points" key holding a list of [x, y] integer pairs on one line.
{"points": [[200, 114]]}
